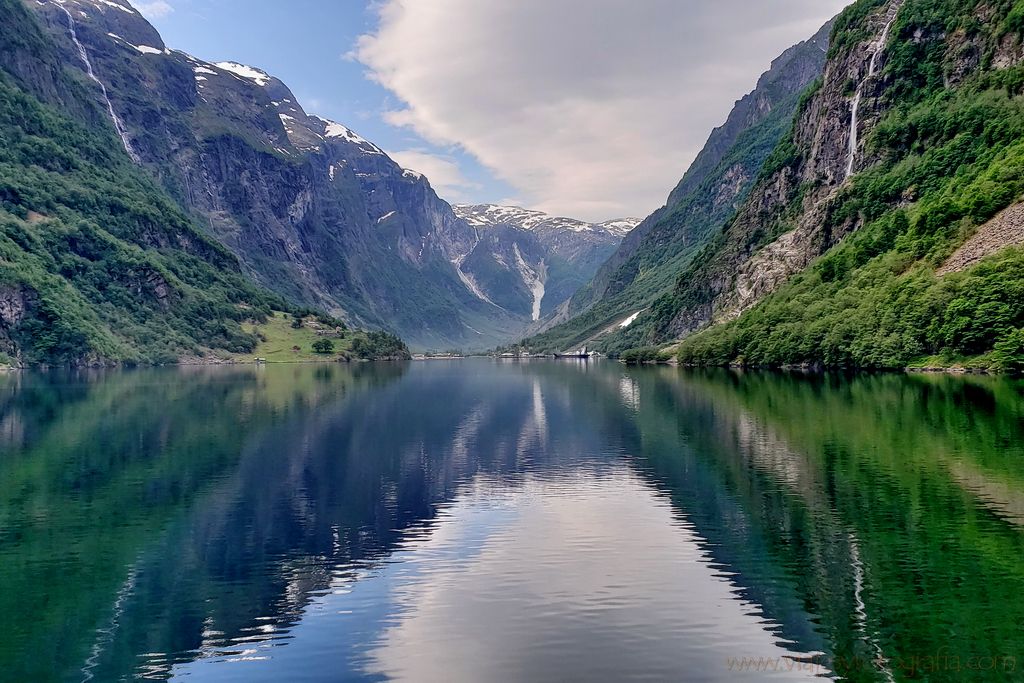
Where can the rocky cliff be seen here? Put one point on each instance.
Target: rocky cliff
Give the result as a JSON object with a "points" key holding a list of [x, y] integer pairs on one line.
{"points": [[899, 161], [777, 233], [98, 263], [797, 211], [312, 210], [730, 160]]}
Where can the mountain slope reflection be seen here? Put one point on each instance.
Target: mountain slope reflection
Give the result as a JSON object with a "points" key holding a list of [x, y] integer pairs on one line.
{"points": [[488, 521]]}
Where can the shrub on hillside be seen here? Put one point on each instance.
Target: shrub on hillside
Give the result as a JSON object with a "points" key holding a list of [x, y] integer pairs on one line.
{"points": [[646, 354]]}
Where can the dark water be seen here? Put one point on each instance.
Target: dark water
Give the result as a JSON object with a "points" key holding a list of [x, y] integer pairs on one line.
{"points": [[481, 521]]}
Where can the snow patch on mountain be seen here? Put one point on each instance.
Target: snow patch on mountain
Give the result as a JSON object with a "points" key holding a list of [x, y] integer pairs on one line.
{"points": [[471, 284], [630, 320], [144, 49], [260, 78], [620, 226], [489, 215], [335, 130], [104, 4]]}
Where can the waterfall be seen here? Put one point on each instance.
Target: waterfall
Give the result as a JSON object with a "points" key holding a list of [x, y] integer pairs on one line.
{"points": [[118, 125], [851, 155], [532, 279], [877, 48]]}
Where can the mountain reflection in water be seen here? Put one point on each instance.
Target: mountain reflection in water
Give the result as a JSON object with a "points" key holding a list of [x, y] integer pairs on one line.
{"points": [[479, 520]]}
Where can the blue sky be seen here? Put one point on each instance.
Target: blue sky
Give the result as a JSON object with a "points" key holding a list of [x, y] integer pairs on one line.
{"points": [[585, 108]]}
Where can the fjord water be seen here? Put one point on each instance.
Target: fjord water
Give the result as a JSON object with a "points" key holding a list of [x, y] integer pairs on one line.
{"points": [[489, 521]]}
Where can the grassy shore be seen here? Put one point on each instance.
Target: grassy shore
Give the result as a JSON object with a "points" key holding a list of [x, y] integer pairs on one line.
{"points": [[282, 343]]}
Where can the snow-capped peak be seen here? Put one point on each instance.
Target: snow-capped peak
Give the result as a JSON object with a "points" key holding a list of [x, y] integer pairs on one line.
{"points": [[488, 215], [621, 226], [261, 78]]}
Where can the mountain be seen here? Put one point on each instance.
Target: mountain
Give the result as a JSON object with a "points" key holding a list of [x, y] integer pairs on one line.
{"points": [[311, 210], [650, 257], [885, 229], [530, 262], [97, 263]]}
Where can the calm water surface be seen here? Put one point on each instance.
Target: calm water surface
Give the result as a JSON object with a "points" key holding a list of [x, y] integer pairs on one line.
{"points": [[485, 521]]}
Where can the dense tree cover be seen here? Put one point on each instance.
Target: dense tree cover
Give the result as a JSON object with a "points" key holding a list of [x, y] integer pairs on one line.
{"points": [[646, 354], [951, 158], [323, 346], [875, 300], [379, 345], [96, 263]]}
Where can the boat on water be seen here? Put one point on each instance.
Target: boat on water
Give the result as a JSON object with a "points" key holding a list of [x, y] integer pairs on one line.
{"points": [[581, 353]]}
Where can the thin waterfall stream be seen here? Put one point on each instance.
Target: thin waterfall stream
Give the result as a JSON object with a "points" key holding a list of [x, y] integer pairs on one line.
{"points": [[118, 125], [877, 48]]}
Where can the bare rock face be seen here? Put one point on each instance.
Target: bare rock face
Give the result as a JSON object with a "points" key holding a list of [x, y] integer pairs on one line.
{"points": [[732, 185], [16, 303]]}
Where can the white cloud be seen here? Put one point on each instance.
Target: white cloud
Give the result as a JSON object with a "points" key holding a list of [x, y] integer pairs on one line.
{"points": [[153, 9], [443, 172], [591, 108]]}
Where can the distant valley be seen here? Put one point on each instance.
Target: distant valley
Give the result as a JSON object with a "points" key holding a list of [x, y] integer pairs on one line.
{"points": [[528, 261]]}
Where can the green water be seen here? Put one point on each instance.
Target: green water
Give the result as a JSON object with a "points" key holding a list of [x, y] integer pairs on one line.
{"points": [[479, 520]]}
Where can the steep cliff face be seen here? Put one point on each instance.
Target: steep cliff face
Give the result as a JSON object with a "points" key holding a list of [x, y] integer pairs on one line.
{"points": [[721, 175], [313, 211], [98, 264], [800, 208], [783, 224], [534, 262], [650, 257], [911, 145]]}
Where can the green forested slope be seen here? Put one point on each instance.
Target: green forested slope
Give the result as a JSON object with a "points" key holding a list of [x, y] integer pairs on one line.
{"points": [[821, 268], [951, 156], [96, 263]]}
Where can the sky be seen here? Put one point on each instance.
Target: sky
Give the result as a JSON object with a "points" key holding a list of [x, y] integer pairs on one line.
{"points": [[584, 108]]}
